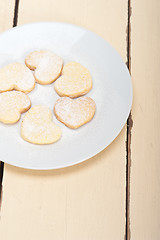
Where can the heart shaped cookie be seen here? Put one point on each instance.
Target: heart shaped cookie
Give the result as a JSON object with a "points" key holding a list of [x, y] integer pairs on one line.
{"points": [[46, 64], [12, 104], [37, 126], [16, 76], [74, 82], [74, 112]]}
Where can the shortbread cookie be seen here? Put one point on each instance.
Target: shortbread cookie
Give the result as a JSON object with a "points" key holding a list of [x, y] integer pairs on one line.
{"points": [[74, 112], [46, 64], [74, 82], [12, 104], [37, 126], [16, 76]]}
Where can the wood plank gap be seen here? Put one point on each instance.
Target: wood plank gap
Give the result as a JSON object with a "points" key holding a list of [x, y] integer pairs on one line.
{"points": [[129, 129], [1, 179], [15, 19]]}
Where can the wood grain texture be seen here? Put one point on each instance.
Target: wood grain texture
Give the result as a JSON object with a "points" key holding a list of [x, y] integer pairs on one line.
{"points": [[145, 150], [86, 201]]}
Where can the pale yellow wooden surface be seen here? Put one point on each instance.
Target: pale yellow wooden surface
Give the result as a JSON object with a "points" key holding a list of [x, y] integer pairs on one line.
{"points": [[86, 201], [6, 14], [145, 149]]}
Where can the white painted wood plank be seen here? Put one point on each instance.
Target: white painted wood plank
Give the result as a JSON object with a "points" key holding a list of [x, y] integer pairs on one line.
{"points": [[145, 151], [6, 14]]}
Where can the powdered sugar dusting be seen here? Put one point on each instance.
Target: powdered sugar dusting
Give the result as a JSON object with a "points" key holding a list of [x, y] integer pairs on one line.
{"points": [[37, 126], [47, 64], [12, 103], [75, 81], [74, 113], [16, 76]]}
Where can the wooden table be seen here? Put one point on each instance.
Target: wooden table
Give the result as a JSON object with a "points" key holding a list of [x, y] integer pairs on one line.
{"points": [[116, 194]]}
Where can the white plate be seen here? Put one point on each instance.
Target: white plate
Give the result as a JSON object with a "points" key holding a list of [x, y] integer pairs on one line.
{"points": [[112, 92]]}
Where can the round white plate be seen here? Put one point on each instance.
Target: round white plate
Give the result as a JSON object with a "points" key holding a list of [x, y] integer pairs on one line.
{"points": [[112, 93]]}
